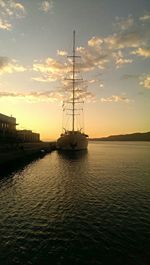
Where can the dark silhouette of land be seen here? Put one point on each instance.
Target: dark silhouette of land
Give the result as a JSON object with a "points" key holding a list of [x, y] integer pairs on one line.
{"points": [[125, 137]]}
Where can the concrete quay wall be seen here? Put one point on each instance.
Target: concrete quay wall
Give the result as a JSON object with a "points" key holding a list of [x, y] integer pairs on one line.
{"points": [[15, 153]]}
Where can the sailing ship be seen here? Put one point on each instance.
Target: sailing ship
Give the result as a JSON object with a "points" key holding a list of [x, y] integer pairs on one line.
{"points": [[73, 138]]}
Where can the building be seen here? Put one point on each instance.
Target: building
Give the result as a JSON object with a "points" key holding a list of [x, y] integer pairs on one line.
{"points": [[28, 136], [9, 134], [7, 128]]}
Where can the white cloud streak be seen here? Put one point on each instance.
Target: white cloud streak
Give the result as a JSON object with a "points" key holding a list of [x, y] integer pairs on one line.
{"points": [[145, 18], [46, 96], [115, 98]]}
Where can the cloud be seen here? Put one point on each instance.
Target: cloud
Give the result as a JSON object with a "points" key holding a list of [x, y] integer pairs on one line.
{"points": [[146, 82], [92, 81], [5, 25], [50, 65], [10, 9], [62, 53], [86, 96], [115, 98], [95, 42], [46, 6], [9, 94], [145, 52], [8, 65], [129, 34], [83, 95], [99, 52], [51, 70], [46, 96], [132, 39], [44, 79], [92, 59], [96, 82], [19, 10], [81, 90], [54, 70], [4, 61], [124, 23], [144, 18], [120, 60], [117, 48]]}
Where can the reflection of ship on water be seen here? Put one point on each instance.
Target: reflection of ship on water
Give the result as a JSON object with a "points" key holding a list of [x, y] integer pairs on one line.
{"points": [[74, 138], [73, 156]]}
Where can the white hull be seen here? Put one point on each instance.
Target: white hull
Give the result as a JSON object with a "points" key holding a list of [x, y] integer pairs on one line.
{"points": [[72, 141]]}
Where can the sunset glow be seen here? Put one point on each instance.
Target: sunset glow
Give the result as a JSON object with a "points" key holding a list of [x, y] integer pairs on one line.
{"points": [[113, 42]]}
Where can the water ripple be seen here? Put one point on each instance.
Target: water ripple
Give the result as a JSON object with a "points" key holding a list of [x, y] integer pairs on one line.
{"points": [[87, 208]]}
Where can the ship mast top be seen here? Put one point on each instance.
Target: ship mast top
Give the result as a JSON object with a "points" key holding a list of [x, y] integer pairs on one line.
{"points": [[73, 79]]}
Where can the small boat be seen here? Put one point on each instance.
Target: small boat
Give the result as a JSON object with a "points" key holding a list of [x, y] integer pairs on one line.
{"points": [[73, 138]]}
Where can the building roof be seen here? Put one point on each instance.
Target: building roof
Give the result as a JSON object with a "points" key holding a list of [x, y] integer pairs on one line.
{"points": [[7, 119]]}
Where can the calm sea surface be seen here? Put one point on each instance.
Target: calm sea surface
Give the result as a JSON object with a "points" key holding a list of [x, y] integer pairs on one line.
{"points": [[89, 208]]}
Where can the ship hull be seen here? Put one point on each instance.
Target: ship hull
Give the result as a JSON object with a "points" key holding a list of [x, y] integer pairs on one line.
{"points": [[73, 141]]}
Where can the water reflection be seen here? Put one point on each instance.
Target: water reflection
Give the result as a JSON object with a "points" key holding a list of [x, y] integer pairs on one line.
{"points": [[78, 208], [70, 155], [16, 166]]}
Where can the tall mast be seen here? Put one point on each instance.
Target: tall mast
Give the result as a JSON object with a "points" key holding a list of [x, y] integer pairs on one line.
{"points": [[73, 81]]}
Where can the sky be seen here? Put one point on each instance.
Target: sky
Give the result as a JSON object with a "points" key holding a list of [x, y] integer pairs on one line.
{"points": [[113, 40]]}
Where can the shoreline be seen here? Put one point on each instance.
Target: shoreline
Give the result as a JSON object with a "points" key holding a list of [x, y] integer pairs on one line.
{"points": [[12, 155]]}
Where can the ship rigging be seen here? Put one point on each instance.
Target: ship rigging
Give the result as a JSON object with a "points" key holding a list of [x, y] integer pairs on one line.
{"points": [[73, 138]]}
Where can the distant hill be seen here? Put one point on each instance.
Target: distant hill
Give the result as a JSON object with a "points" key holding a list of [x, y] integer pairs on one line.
{"points": [[125, 137]]}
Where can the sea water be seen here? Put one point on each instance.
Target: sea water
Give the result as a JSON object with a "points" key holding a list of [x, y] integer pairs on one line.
{"points": [[85, 208]]}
